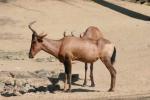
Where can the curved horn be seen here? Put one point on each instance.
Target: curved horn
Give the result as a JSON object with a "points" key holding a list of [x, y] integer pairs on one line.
{"points": [[34, 32], [42, 35]]}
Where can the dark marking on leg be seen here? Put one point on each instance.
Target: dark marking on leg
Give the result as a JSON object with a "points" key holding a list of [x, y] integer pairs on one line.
{"points": [[91, 76], [85, 78]]}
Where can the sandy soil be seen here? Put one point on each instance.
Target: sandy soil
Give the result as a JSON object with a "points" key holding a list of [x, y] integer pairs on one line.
{"points": [[130, 35]]}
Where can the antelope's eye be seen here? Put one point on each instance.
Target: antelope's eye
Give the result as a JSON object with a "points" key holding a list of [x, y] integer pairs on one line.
{"points": [[34, 41]]}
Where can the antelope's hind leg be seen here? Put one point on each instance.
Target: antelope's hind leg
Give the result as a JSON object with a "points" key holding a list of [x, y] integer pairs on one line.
{"points": [[91, 75], [109, 66], [85, 78], [66, 78]]}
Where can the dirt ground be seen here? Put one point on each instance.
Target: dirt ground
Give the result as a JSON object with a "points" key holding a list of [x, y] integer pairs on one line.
{"points": [[130, 35]]}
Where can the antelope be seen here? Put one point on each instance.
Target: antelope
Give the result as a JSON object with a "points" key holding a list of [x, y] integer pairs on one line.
{"points": [[72, 48], [91, 33]]}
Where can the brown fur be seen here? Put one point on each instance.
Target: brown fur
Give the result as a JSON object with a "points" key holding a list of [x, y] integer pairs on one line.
{"points": [[91, 33], [71, 48]]}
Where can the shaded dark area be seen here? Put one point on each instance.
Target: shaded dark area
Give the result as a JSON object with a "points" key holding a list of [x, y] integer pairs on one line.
{"points": [[20, 86], [83, 90], [123, 10], [6, 1], [40, 81], [138, 1], [54, 80], [76, 84]]}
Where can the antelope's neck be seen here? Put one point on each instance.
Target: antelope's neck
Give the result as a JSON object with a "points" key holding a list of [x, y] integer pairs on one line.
{"points": [[51, 46]]}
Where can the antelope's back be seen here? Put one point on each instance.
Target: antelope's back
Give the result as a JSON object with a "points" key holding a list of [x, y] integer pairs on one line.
{"points": [[93, 33], [79, 49]]}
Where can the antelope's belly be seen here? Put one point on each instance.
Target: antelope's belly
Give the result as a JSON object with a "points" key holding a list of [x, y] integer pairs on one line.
{"points": [[86, 57], [88, 60]]}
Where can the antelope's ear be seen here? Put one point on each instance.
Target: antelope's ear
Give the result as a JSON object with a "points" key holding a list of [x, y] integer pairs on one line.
{"points": [[41, 36]]}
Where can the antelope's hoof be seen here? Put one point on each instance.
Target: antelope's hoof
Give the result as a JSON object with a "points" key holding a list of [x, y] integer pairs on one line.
{"points": [[111, 90], [92, 85], [68, 91], [84, 84], [64, 90]]}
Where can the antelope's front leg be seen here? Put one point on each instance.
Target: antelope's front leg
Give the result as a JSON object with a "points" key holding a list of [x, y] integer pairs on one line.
{"points": [[69, 81], [68, 67], [66, 76], [65, 83], [69, 75]]}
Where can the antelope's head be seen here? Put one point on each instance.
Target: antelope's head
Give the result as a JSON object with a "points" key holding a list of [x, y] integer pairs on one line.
{"points": [[36, 42]]}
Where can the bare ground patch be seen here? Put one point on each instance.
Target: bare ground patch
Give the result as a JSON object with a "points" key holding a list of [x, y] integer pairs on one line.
{"points": [[6, 21], [10, 36], [22, 55], [16, 83]]}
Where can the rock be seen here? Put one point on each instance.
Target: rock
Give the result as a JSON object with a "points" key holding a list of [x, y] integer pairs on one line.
{"points": [[2, 85], [8, 88], [42, 81], [39, 59], [9, 82], [51, 59], [7, 94], [43, 73], [47, 92], [17, 93], [4, 74], [18, 83], [23, 74], [26, 88]]}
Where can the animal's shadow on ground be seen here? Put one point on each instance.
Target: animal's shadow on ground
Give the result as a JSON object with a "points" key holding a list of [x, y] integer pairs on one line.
{"points": [[83, 90], [75, 77], [18, 86]]}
